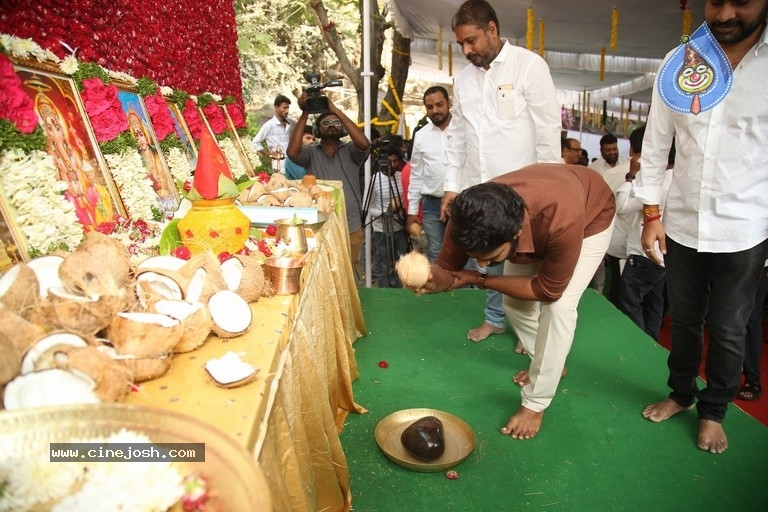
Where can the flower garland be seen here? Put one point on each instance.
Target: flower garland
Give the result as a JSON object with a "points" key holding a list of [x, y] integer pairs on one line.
{"points": [[614, 28], [141, 238], [529, 28], [233, 158], [136, 189], [15, 104], [45, 217]]}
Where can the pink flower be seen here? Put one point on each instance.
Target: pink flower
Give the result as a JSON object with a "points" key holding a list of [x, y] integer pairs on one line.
{"points": [[192, 117], [160, 116], [104, 109], [236, 114], [215, 117], [15, 105]]}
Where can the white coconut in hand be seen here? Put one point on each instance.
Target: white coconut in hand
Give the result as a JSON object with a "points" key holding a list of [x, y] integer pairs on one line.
{"points": [[413, 269]]}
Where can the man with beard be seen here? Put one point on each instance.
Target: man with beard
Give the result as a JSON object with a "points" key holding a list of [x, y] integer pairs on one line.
{"points": [[714, 234], [427, 172], [549, 225], [505, 116], [333, 159]]}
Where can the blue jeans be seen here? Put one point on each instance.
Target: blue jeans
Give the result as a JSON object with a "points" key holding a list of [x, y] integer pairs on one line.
{"points": [[494, 311], [719, 288], [754, 338], [387, 249], [641, 296], [433, 226]]}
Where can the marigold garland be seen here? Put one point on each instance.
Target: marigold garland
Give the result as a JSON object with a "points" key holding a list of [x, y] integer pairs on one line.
{"points": [[602, 63], [614, 28], [541, 38], [687, 21], [529, 29]]}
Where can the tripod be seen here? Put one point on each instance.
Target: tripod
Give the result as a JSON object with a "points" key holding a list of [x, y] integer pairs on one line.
{"points": [[390, 240]]}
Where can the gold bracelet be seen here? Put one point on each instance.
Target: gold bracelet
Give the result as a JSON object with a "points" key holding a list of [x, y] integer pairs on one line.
{"points": [[650, 211]]}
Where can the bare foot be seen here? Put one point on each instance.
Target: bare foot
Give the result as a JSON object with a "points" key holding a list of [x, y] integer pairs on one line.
{"points": [[522, 378], [519, 348], [664, 410], [482, 332], [712, 437], [525, 424]]}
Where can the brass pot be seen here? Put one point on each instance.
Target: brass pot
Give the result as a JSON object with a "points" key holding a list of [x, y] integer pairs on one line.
{"points": [[292, 233]]}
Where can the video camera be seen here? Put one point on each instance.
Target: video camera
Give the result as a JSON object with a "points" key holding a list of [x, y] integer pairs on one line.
{"points": [[317, 103], [381, 148]]}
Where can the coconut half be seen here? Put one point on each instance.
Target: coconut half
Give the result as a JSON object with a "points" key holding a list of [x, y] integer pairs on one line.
{"points": [[245, 276], [154, 285], [231, 314], [19, 289], [49, 388], [46, 270], [162, 261], [75, 313], [196, 322], [39, 356], [144, 335]]}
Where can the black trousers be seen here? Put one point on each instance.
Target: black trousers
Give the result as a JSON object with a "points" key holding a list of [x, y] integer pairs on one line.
{"points": [[718, 287]]}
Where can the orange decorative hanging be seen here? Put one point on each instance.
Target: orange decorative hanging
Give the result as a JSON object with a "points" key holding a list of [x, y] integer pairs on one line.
{"points": [[614, 28], [541, 38], [529, 29], [602, 63], [687, 21]]}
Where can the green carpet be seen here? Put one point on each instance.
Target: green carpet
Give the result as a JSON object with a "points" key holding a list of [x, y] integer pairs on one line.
{"points": [[594, 452]]}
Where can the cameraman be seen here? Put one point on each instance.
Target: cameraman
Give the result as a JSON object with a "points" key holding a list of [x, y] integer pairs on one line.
{"points": [[332, 159]]}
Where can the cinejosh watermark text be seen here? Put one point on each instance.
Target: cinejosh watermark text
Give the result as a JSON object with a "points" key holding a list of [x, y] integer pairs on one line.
{"points": [[127, 452]]}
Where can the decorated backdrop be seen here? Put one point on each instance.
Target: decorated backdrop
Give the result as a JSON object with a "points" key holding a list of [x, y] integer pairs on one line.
{"points": [[184, 44]]}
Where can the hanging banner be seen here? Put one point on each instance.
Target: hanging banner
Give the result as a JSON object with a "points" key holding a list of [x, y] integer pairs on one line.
{"points": [[697, 76]]}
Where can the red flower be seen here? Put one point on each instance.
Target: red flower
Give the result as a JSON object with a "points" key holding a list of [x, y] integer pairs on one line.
{"points": [[215, 117], [181, 252], [192, 117], [452, 474], [263, 178], [272, 230], [383, 364], [106, 227], [15, 105], [104, 109], [236, 114], [224, 256], [158, 112]]}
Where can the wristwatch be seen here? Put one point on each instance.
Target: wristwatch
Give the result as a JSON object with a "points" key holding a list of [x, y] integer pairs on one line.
{"points": [[481, 279], [629, 176]]}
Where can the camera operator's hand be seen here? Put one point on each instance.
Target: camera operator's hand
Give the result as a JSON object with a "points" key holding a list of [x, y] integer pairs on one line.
{"points": [[302, 101]]}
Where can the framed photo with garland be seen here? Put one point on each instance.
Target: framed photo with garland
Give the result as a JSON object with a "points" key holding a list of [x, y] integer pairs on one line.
{"points": [[182, 131], [13, 246], [148, 147], [71, 143], [238, 141], [215, 116]]}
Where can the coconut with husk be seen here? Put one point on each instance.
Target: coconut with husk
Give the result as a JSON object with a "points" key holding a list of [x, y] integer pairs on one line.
{"points": [[299, 200], [277, 181], [19, 289], [231, 314], [323, 204], [46, 270], [203, 277], [267, 200], [281, 193], [144, 335], [196, 322], [153, 284], [144, 369], [75, 313], [250, 194], [17, 335], [100, 265], [244, 275], [112, 378]]}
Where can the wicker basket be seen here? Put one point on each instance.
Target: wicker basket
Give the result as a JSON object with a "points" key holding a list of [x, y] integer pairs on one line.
{"points": [[216, 225]]}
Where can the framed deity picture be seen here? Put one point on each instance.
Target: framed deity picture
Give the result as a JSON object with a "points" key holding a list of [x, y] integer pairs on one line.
{"points": [[12, 243], [183, 133], [238, 142], [149, 148], [72, 145], [215, 117]]}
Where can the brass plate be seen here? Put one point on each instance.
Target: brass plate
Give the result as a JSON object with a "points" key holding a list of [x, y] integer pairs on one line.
{"points": [[235, 481], [459, 440]]}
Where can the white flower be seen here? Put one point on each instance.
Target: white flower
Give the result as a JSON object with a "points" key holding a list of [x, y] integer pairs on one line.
{"points": [[135, 188], [180, 167], [69, 65], [124, 77], [166, 91], [27, 49], [233, 157]]}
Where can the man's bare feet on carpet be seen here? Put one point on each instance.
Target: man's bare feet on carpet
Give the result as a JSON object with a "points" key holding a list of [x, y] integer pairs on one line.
{"points": [[522, 378], [525, 424], [520, 349], [664, 410], [712, 437], [482, 332]]}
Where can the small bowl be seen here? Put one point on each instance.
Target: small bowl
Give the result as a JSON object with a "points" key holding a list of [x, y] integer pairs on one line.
{"points": [[322, 217], [285, 274]]}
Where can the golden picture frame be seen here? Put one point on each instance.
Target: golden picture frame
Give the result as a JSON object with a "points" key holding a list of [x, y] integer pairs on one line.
{"points": [[183, 133], [140, 126], [71, 143], [13, 244]]}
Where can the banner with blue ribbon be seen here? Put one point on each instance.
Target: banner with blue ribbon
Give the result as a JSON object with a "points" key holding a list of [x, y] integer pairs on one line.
{"points": [[697, 76]]}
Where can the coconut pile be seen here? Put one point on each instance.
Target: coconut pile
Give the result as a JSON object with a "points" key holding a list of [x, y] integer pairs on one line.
{"points": [[81, 327], [279, 192]]}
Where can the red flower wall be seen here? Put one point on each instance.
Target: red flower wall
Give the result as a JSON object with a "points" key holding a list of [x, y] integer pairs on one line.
{"points": [[189, 45]]}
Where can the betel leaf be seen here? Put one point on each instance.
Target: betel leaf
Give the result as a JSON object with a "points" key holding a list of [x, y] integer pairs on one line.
{"points": [[170, 238]]}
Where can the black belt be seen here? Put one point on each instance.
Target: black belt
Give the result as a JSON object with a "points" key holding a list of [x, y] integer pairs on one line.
{"points": [[432, 197]]}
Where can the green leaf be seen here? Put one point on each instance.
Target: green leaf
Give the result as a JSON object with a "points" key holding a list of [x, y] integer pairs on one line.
{"points": [[170, 238]]}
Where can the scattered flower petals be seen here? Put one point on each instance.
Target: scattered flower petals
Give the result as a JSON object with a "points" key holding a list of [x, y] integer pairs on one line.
{"points": [[383, 364], [452, 474]]}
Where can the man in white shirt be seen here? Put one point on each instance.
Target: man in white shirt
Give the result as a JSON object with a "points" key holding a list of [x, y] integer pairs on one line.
{"points": [[714, 235], [275, 133], [571, 151], [427, 171], [505, 116]]}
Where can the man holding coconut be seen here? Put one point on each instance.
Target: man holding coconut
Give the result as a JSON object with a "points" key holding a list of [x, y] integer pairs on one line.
{"points": [[549, 225]]}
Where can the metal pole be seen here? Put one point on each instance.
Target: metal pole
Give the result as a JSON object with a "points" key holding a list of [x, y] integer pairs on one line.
{"points": [[367, 119]]}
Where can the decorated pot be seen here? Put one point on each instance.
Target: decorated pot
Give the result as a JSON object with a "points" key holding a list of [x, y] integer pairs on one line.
{"points": [[217, 225]]}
